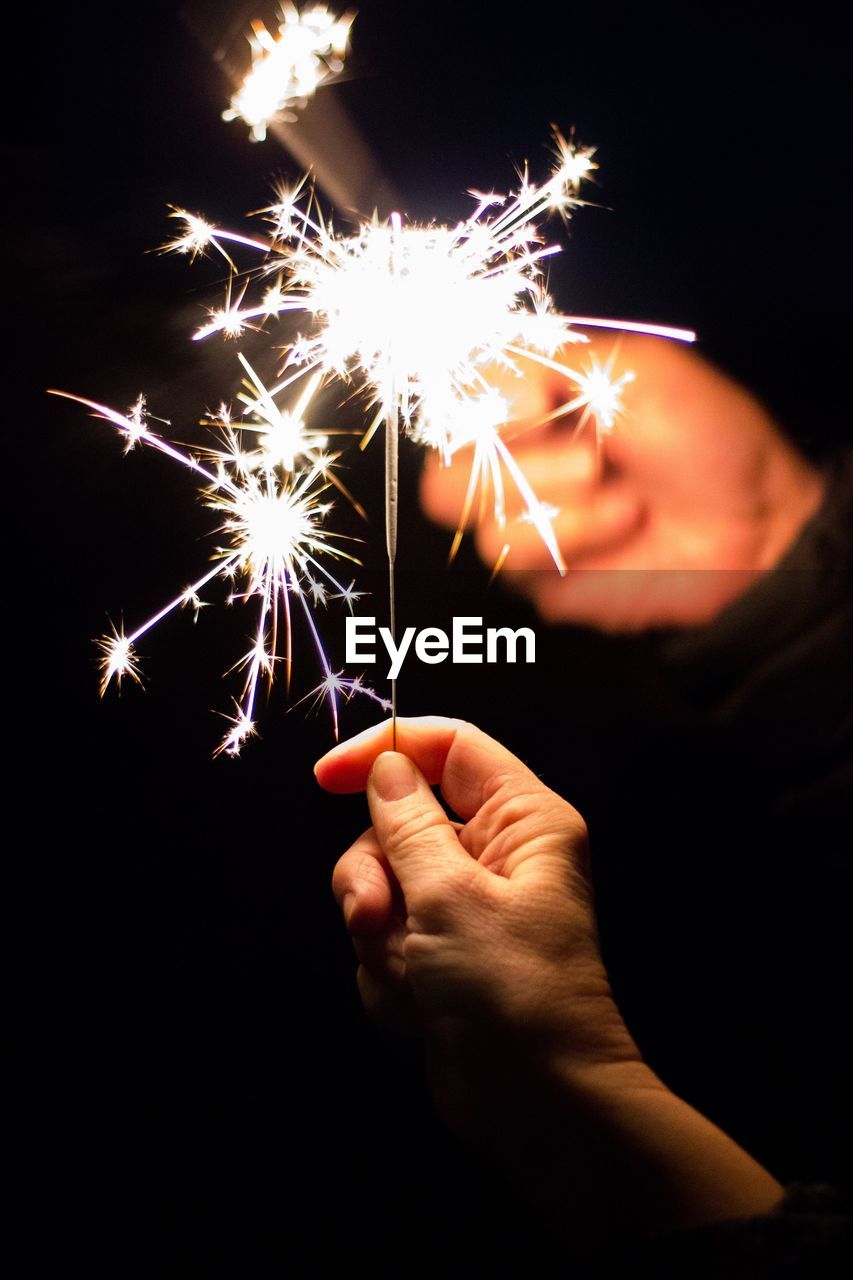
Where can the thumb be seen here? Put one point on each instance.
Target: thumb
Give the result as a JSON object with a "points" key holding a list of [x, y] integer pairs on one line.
{"points": [[416, 835]]}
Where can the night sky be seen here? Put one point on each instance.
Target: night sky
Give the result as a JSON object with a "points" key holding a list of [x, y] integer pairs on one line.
{"points": [[194, 1029]]}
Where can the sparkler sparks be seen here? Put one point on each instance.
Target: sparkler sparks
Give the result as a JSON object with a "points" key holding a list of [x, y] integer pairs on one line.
{"points": [[287, 68], [275, 549], [117, 659], [418, 314], [337, 685]]}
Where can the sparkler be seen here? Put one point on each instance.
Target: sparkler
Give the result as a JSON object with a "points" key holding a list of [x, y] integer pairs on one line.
{"points": [[287, 68], [415, 316], [418, 314]]}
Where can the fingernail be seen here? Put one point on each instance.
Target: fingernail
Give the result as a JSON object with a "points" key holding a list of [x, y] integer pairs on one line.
{"points": [[393, 776], [348, 906]]}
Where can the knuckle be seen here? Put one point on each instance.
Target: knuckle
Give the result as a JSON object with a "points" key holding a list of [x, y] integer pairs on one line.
{"points": [[365, 869], [516, 808], [534, 819], [445, 895], [420, 949], [549, 810], [561, 817], [573, 824], [412, 824]]}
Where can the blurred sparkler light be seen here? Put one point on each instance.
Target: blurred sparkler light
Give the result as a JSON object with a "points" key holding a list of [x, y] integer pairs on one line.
{"points": [[288, 67]]}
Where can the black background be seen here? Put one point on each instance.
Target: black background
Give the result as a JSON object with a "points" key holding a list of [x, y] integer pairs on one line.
{"points": [[201, 1069]]}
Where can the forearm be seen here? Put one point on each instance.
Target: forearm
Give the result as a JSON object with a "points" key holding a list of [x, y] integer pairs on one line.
{"points": [[660, 1164], [607, 1154]]}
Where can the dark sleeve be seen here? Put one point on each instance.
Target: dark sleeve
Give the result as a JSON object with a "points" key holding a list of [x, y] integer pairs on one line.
{"points": [[773, 671], [808, 1237], [799, 612], [773, 674]]}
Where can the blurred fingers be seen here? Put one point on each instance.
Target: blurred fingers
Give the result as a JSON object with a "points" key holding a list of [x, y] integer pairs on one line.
{"points": [[611, 516], [618, 599], [556, 469]]}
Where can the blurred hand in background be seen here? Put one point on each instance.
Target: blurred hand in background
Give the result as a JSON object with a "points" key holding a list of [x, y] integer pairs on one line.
{"points": [[693, 493]]}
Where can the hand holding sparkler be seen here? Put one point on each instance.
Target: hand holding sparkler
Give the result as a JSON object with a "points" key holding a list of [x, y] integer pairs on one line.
{"points": [[483, 936], [695, 493]]}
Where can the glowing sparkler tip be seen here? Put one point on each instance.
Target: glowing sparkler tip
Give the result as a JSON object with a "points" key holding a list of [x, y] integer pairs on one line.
{"points": [[574, 163], [118, 659], [349, 595], [600, 394], [336, 685], [285, 213], [242, 728], [273, 299], [195, 238], [137, 424]]}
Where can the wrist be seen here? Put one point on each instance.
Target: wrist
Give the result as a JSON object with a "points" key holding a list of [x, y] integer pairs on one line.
{"points": [[592, 1048], [603, 1075], [595, 1141]]}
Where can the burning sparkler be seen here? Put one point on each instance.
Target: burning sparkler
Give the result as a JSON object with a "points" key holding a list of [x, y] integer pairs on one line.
{"points": [[416, 316], [287, 68]]}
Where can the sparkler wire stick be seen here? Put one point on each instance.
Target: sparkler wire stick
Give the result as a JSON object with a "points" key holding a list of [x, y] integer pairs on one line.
{"points": [[392, 476], [392, 491]]}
